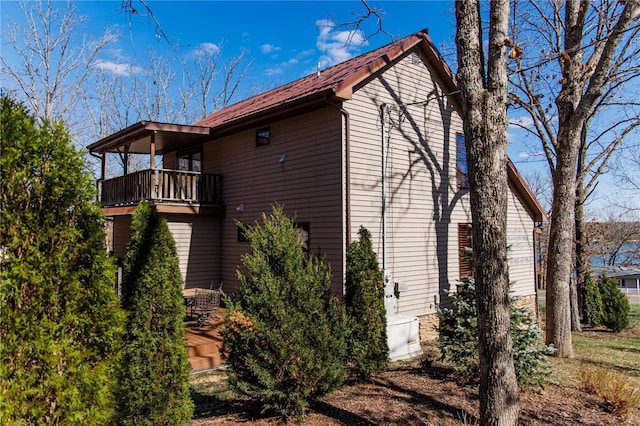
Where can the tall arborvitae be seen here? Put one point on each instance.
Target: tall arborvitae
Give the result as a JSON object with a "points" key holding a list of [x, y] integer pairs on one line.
{"points": [[592, 301], [154, 380], [286, 339], [59, 317], [615, 305], [364, 299]]}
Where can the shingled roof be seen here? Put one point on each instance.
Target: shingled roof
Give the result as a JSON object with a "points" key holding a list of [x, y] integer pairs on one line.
{"points": [[334, 83]]}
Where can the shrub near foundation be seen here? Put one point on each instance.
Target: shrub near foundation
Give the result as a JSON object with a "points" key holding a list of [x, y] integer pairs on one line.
{"points": [[285, 338], [364, 299], [459, 343]]}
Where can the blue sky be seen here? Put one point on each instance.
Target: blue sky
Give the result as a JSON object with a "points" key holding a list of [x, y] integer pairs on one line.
{"points": [[286, 40]]}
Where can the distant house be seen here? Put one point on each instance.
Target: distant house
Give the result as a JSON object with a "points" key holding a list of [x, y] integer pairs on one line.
{"points": [[376, 141], [628, 277]]}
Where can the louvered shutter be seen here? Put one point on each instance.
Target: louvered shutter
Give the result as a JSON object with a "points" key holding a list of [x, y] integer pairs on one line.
{"points": [[465, 244]]}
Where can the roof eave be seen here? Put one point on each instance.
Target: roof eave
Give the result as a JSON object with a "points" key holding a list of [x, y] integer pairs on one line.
{"points": [[264, 117], [529, 198], [141, 130]]}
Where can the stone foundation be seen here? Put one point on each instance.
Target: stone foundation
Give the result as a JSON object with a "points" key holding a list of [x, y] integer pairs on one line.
{"points": [[530, 302], [429, 323], [429, 327]]}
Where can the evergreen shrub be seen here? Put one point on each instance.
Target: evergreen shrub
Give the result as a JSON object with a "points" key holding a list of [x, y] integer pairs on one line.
{"points": [[593, 308], [615, 305], [285, 338], [459, 339], [59, 317], [364, 299], [154, 378]]}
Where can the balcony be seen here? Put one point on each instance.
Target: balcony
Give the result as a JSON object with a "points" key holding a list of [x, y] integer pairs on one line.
{"points": [[162, 186]]}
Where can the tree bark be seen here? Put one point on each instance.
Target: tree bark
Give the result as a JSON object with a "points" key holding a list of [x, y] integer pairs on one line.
{"points": [[570, 119], [485, 128], [596, 57], [559, 264]]}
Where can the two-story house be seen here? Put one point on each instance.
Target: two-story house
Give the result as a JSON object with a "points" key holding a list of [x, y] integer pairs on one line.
{"points": [[375, 141]]}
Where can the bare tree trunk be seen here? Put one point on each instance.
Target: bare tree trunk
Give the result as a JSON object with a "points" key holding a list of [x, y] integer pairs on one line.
{"points": [[595, 54], [485, 125], [559, 264]]}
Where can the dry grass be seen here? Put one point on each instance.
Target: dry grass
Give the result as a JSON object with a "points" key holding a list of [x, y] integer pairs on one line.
{"points": [[617, 392]]}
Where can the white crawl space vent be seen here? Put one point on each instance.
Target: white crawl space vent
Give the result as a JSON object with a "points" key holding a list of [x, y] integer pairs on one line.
{"points": [[403, 337]]}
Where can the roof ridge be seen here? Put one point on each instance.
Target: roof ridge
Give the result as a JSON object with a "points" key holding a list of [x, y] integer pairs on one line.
{"points": [[329, 80]]}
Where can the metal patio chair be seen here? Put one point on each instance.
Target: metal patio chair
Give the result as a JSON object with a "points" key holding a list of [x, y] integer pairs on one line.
{"points": [[205, 304]]}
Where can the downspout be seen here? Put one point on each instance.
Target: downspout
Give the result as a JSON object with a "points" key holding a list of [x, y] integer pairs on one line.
{"points": [[347, 173], [383, 115]]}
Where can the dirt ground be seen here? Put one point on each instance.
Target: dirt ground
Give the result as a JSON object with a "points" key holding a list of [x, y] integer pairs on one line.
{"points": [[411, 395]]}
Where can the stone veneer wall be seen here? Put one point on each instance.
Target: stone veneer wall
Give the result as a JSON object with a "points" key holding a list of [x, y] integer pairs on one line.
{"points": [[429, 327], [530, 302], [429, 323]]}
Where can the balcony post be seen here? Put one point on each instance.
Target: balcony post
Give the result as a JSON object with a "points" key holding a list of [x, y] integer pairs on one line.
{"points": [[103, 167], [152, 160]]}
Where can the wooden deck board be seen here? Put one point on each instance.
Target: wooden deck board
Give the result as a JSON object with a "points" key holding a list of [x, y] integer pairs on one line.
{"points": [[204, 344]]}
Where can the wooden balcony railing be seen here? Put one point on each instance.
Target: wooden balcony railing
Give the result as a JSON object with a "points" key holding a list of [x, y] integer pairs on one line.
{"points": [[160, 185]]}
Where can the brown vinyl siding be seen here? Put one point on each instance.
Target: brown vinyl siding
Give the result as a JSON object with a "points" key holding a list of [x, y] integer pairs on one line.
{"points": [[168, 161], [308, 183], [197, 245], [197, 242], [121, 235]]}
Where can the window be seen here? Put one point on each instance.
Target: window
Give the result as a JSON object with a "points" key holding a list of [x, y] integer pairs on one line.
{"points": [[465, 250], [190, 161], [462, 167], [242, 236], [263, 136], [302, 231]]}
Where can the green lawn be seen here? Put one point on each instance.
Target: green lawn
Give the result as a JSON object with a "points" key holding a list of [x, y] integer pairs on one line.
{"points": [[634, 317], [617, 352]]}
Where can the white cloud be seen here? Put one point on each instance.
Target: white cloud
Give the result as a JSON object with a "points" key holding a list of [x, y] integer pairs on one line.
{"points": [[525, 154], [284, 65], [125, 70], [206, 49], [337, 45], [273, 71], [268, 48], [523, 121]]}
